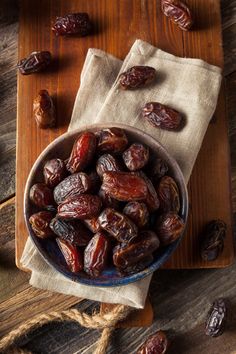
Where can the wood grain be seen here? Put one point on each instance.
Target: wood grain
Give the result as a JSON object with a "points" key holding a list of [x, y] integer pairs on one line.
{"points": [[118, 24]]}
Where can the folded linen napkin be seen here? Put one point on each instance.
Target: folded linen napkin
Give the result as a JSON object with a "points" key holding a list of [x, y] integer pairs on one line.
{"points": [[190, 86]]}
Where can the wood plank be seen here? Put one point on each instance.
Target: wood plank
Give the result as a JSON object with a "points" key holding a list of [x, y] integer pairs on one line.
{"points": [[229, 39], [139, 20]]}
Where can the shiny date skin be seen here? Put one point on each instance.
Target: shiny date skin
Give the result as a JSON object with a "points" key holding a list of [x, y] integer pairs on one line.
{"points": [[107, 162], [212, 243], [40, 224], [137, 267], [168, 194], [113, 140], [178, 12], [136, 77], [54, 172], [44, 110], [151, 200], [136, 156], [161, 116], [124, 186], [71, 186], [169, 228], [118, 225], [41, 196], [216, 318], [92, 224], [96, 254], [137, 212], [157, 343], [73, 256], [84, 206], [82, 152], [71, 231], [107, 200], [75, 23], [146, 244], [35, 62]]}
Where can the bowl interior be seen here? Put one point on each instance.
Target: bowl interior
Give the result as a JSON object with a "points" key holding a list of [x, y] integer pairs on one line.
{"points": [[48, 248]]}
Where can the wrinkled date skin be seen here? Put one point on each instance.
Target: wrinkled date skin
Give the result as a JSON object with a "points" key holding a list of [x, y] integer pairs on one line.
{"points": [[118, 225], [168, 194], [35, 62], [96, 254], [137, 267], [41, 196], [216, 318], [76, 23], [107, 162], [44, 110], [71, 186], [213, 240], [157, 169], [95, 182], [84, 206], [40, 223], [137, 212], [157, 343], [136, 77], [93, 225], [54, 172], [178, 12], [108, 201], [152, 200], [73, 256], [147, 243], [113, 140], [124, 186], [169, 228], [136, 156], [72, 231], [82, 152], [161, 116]]}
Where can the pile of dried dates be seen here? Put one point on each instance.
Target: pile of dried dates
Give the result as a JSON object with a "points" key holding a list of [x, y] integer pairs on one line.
{"points": [[110, 203]]}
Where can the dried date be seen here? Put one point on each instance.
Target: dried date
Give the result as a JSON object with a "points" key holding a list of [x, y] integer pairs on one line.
{"points": [[95, 182], [137, 212], [178, 12], [161, 116], [107, 200], [124, 186], [35, 62], [169, 228], [113, 140], [71, 186], [157, 343], [44, 110], [71, 231], [41, 196], [136, 77], [76, 23], [136, 156], [54, 172], [92, 224], [216, 318], [146, 244], [107, 162], [212, 243], [168, 194], [96, 254], [40, 223], [84, 206], [73, 256], [118, 225], [157, 169], [82, 152], [137, 267], [151, 200]]}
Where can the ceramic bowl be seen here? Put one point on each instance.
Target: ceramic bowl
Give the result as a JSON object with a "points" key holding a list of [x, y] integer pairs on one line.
{"points": [[61, 148]]}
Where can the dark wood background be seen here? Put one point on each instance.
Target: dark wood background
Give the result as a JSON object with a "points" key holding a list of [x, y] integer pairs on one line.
{"points": [[180, 298]]}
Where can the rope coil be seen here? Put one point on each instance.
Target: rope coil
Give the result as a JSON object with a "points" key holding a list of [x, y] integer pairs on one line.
{"points": [[106, 321]]}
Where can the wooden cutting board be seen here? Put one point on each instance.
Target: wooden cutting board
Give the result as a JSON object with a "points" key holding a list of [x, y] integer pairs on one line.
{"points": [[117, 24]]}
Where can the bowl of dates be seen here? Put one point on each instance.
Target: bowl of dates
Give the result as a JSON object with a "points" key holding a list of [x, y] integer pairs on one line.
{"points": [[106, 205]]}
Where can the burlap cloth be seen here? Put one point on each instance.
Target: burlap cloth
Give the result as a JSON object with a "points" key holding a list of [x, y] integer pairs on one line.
{"points": [[191, 86]]}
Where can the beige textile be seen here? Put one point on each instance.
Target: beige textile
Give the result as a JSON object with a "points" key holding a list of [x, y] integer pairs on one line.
{"points": [[191, 86]]}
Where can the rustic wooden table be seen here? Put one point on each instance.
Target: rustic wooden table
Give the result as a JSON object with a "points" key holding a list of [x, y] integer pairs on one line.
{"points": [[180, 298]]}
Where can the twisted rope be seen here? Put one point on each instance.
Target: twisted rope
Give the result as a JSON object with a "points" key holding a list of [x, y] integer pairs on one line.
{"points": [[106, 321]]}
